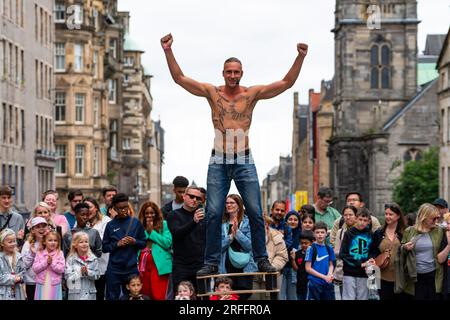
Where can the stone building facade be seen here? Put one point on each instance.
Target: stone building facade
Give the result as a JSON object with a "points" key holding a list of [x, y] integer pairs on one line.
{"points": [[382, 117], [87, 69], [102, 104], [443, 67], [276, 185], [140, 173], [27, 153]]}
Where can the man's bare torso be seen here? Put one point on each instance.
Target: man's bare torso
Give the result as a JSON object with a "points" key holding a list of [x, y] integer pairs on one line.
{"points": [[231, 117]]}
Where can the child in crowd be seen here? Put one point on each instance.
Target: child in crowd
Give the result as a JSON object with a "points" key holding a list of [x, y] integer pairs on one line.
{"points": [[320, 262], [308, 221], [11, 267], [49, 267], [81, 269], [134, 286], [357, 251], [185, 291], [38, 228], [298, 263], [223, 284]]}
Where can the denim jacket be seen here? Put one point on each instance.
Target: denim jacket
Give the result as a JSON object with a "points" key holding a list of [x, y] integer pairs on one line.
{"points": [[244, 238]]}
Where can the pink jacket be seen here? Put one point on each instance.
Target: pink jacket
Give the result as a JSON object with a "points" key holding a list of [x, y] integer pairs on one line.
{"points": [[56, 268], [60, 220]]}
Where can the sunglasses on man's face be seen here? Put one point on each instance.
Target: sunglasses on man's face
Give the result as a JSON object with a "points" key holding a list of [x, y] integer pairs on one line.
{"points": [[194, 197]]}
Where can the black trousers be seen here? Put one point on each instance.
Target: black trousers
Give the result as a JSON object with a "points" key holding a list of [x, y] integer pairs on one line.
{"points": [[386, 292], [30, 289], [100, 286], [425, 288]]}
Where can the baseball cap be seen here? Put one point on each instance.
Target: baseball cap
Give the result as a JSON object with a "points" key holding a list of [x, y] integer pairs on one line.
{"points": [[440, 202], [37, 220]]}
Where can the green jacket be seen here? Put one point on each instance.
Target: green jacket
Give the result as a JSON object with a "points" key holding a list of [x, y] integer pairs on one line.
{"points": [[161, 249], [436, 238]]}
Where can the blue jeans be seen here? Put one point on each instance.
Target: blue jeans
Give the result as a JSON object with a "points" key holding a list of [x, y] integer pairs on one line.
{"points": [[288, 290], [220, 173]]}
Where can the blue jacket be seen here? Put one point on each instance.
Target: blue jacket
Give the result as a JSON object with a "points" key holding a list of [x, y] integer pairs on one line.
{"points": [[123, 260], [243, 236]]}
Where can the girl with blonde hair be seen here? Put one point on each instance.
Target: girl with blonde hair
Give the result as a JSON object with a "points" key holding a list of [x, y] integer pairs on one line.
{"points": [[81, 269]]}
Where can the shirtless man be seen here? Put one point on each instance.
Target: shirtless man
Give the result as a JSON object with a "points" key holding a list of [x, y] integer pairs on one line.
{"points": [[232, 107]]}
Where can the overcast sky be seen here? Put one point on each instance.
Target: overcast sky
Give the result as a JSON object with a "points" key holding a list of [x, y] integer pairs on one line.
{"points": [[263, 34]]}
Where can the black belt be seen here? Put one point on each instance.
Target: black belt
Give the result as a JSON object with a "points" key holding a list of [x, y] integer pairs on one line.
{"points": [[235, 155]]}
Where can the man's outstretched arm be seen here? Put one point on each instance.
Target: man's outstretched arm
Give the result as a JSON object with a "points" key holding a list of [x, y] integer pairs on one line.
{"points": [[274, 89], [194, 87]]}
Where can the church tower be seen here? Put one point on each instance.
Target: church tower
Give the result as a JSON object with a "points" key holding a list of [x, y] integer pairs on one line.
{"points": [[375, 76]]}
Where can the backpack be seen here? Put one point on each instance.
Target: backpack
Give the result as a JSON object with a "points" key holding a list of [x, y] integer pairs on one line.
{"points": [[314, 254]]}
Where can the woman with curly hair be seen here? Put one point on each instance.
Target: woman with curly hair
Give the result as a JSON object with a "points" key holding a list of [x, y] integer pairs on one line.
{"points": [[155, 261]]}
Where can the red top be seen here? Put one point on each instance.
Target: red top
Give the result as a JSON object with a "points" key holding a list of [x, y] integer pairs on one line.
{"points": [[217, 297]]}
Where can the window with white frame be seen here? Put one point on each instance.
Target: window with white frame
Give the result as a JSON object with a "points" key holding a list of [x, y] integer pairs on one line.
{"points": [[61, 158], [78, 57], [80, 100], [60, 12], [126, 144], [79, 159], [129, 61], [60, 106], [95, 63], [112, 83], [113, 127], [113, 47], [96, 160], [60, 56], [448, 124], [96, 109]]}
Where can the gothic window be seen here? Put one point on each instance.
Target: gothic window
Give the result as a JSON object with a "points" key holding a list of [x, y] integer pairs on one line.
{"points": [[412, 154], [380, 66]]}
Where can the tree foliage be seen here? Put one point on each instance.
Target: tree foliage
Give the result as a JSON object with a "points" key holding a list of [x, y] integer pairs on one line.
{"points": [[419, 182]]}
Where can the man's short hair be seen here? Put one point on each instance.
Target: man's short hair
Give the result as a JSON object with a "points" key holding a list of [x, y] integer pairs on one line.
{"points": [[277, 202], [363, 212], [73, 194], [108, 189], [307, 208], [180, 182], [353, 192], [307, 235], [79, 206], [224, 280], [325, 192], [120, 197], [320, 225], [192, 188], [202, 190], [233, 59], [440, 202], [6, 191], [133, 277]]}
